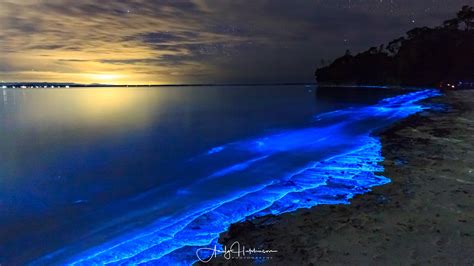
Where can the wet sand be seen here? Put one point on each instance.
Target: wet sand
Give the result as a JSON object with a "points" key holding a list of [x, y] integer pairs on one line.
{"points": [[425, 216]]}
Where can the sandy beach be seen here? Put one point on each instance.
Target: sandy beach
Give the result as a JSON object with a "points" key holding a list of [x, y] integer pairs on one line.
{"points": [[424, 216]]}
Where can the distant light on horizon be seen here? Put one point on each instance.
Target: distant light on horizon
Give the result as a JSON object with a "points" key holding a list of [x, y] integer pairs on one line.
{"points": [[106, 77]]}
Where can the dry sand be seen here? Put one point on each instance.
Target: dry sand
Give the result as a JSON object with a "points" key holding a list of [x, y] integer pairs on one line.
{"points": [[425, 216]]}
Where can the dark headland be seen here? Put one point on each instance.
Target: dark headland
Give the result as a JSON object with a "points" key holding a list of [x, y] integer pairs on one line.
{"points": [[426, 214], [424, 57]]}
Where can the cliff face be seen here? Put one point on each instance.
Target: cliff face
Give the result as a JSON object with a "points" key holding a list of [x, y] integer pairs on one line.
{"points": [[426, 56]]}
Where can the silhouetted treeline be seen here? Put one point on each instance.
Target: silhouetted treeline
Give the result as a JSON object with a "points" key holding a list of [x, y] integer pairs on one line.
{"points": [[426, 56]]}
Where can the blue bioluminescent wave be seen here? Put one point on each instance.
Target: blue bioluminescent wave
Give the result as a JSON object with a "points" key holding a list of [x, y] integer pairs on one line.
{"points": [[327, 163]]}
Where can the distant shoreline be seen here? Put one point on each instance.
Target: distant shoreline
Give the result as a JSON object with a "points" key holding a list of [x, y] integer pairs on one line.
{"points": [[29, 85], [323, 85]]}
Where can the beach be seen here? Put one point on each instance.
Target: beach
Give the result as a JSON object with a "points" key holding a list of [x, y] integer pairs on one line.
{"points": [[424, 216]]}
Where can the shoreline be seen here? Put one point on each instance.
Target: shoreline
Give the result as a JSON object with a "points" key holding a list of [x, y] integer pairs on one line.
{"points": [[424, 215]]}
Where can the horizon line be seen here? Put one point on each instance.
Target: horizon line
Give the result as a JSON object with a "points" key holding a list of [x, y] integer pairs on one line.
{"points": [[72, 84]]}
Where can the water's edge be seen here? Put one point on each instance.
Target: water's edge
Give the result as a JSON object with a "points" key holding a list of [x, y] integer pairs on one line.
{"points": [[373, 158], [430, 174]]}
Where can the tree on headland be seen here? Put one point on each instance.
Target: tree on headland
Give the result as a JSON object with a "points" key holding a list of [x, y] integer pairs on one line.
{"points": [[452, 24], [466, 16], [395, 45], [426, 56]]}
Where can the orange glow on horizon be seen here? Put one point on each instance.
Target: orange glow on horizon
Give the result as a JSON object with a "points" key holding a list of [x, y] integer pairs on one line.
{"points": [[107, 78]]}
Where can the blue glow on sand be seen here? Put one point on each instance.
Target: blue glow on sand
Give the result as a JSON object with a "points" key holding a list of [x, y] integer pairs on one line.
{"points": [[327, 163]]}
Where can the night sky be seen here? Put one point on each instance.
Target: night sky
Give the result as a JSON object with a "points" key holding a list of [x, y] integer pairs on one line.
{"points": [[162, 42]]}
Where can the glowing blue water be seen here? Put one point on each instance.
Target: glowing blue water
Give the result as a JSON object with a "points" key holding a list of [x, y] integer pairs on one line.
{"points": [[327, 163]]}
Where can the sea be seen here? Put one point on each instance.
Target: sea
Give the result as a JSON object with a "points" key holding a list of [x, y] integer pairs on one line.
{"points": [[153, 175]]}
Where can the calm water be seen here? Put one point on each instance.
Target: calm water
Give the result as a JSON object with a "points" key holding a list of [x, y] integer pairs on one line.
{"points": [[146, 175]]}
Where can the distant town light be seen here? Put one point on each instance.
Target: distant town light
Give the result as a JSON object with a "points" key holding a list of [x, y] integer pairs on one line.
{"points": [[4, 87]]}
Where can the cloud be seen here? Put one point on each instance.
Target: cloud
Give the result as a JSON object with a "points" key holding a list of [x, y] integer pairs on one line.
{"points": [[177, 41], [163, 37]]}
